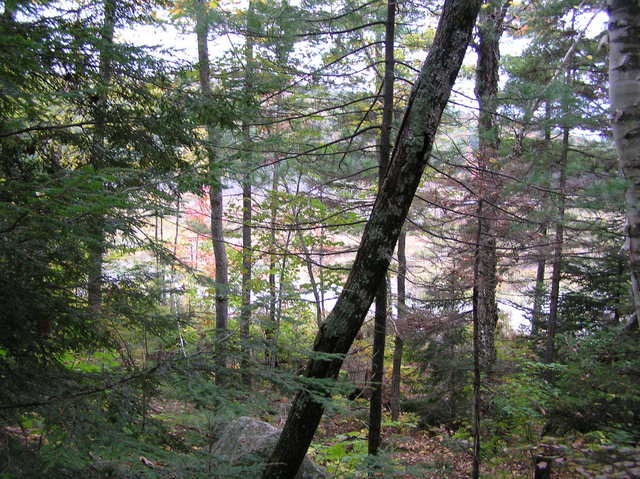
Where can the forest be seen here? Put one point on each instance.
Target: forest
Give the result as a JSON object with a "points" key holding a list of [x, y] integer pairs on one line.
{"points": [[319, 239]]}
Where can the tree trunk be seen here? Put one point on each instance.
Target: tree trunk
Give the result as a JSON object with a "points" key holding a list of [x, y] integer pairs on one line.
{"points": [[215, 191], [247, 209], [271, 327], [247, 265], [380, 321], [377, 369], [98, 158], [398, 342], [411, 155], [477, 347], [490, 27], [540, 292], [173, 296], [321, 282], [538, 298], [624, 94], [554, 296]]}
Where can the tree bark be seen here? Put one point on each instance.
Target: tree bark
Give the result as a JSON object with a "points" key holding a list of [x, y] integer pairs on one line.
{"points": [[215, 190], [490, 28], [247, 265], [377, 369], [396, 376], [411, 155], [380, 320], [624, 95]]}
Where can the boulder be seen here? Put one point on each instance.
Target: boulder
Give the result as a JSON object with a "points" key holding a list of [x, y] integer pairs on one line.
{"points": [[246, 441]]}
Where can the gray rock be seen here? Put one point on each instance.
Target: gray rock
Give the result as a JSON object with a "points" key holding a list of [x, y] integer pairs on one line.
{"points": [[246, 440]]}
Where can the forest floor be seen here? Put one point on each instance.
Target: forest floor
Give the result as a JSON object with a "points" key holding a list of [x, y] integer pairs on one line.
{"points": [[426, 454], [340, 446]]}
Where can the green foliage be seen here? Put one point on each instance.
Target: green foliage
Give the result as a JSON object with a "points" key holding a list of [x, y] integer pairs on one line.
{"points": [[598, 387], [345, 456], [598, 298], [444, 358]]}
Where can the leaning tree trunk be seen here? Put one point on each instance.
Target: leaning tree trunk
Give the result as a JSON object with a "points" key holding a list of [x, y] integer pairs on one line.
{"points": [[215, 192], [429, 96], [624, 93], [380, 321]]}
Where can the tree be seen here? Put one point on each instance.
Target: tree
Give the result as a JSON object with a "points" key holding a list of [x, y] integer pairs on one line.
{"points": [[490, 28], [215, 183], [380, 325], [485, 308], [247, 195], [98, 156], [411, 155], [624, 91], [91, 132], [558, 244], [401, 319]]}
